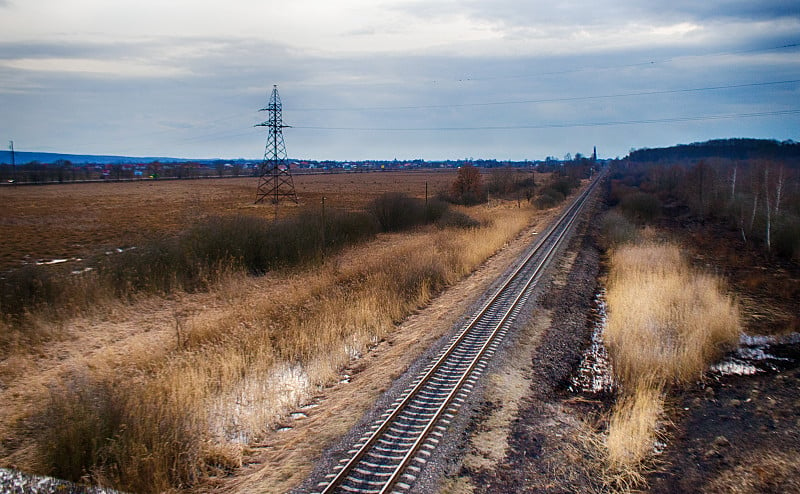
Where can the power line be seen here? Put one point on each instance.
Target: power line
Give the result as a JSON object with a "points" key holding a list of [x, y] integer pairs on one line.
{"points": [[225, 134], [561, 126], [646, 63], [555, 100]]}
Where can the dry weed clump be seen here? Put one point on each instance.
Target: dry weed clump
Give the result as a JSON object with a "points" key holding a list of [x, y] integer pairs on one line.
{"points": [[666, 324], [632, 427], [235, 376], [762, 471]]}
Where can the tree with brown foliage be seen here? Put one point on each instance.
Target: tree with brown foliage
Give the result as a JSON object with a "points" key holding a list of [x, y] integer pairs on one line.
{"points": [[468, 188]]}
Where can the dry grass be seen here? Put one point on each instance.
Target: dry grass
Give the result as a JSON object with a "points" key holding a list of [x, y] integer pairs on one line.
{"points": [[632, 427], [189, 393], [666, 324], [762, 471], [180, 416]]}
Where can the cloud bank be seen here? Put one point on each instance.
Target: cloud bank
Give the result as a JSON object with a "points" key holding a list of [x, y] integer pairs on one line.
{"points": [[187, 78]]}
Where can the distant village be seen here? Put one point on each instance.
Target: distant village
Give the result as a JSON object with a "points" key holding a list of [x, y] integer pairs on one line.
{"points": [[38, 171]]}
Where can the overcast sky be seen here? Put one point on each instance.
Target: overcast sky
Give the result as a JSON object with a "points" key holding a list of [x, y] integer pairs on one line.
{"points": [[385, 79]]}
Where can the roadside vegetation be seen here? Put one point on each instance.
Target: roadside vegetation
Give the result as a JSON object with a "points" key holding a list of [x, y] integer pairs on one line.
{"points": [[175, 415], [35, 297], [667, 322], [234, 376]]}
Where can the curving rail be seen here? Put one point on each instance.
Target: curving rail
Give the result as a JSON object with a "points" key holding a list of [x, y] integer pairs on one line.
{"points": [[389, 457]]}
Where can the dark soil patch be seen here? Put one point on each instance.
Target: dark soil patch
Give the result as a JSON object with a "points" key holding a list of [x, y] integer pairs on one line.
{"points": [[728, 433], [728, 427]]}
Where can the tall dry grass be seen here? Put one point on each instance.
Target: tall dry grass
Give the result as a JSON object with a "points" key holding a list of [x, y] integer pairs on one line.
{"points": [[173, 420], [666, 324]]}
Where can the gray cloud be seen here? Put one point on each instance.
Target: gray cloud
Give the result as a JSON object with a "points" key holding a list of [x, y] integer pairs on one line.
{"points": [[13, 50], [515, 14], [729, 9], [208, 108]]}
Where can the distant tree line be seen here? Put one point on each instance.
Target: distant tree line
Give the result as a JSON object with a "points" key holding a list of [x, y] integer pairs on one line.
{"points": [[732, 149], [62, 171], [758, 197]]}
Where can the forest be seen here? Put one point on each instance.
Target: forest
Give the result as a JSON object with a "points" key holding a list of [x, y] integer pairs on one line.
{"points": [[732, 149], [747, 185]]}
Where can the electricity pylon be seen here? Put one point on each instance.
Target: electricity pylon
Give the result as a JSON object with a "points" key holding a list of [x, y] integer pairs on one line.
{"points": [[275, 177]]}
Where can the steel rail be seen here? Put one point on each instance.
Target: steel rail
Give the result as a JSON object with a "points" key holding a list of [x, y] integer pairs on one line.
{"points": [[562, 226]]}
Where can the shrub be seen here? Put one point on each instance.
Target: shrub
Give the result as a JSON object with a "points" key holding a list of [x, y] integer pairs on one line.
{"points": [[159, 266], [32, 295], [457, 219], [143, 438], [786, 237], [548, 198], [26, 289], [641, 206], [435, 210], [76, 426], [190, 261], [395, 211], [241, 241], [565, 185], [468, 187], [616, 229], [343, 228]]}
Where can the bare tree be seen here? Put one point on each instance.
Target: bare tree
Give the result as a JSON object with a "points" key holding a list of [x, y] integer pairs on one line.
{"points": [[767, 209], [756, 192], [779, 190]]}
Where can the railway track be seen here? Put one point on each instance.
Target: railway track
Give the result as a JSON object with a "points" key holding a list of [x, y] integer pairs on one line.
{"points": [[390, 456]]}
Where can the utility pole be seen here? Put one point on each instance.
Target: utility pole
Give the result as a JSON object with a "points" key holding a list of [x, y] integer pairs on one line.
{"points": [[323, 228], [13, 162], [275, 177]]}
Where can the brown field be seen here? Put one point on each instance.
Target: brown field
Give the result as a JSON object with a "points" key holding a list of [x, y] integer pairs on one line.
{"points": [[222, 369], [80, 220]]}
